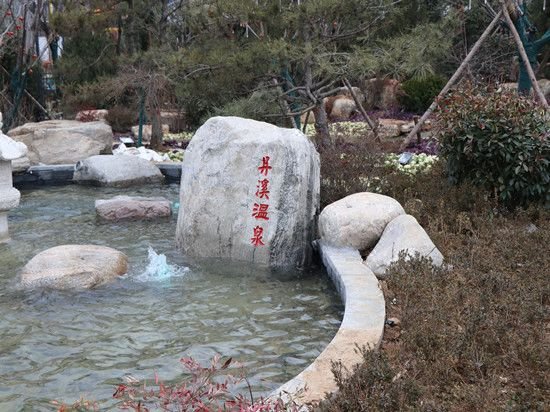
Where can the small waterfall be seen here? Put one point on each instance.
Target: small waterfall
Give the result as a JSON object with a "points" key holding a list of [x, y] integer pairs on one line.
{"points": [[158, 269]]}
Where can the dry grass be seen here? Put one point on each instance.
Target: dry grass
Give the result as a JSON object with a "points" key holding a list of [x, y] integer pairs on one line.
{"points": [[473, 337]]}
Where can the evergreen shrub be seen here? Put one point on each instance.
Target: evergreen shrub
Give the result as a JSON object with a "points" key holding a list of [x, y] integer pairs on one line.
{"points": [[498, 141], [419, 93], [122, 118]]}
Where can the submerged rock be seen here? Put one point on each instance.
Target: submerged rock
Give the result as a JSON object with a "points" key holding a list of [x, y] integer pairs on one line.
{"points": [[403, 233], [249, 192], [358, 220], [63, 141], [74, 267], [133, 207], [116, 170]]}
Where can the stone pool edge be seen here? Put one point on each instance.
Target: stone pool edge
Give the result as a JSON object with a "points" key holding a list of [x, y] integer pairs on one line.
{"points": [[362, 325], [55, 175]]}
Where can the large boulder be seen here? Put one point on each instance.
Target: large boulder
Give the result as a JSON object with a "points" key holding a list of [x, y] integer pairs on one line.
{"points": [[402, 234], [63, 141], [133, 207], [249, 192], [382, 94], [358, 220], [116, 170], [340, 107], [74, 267]]}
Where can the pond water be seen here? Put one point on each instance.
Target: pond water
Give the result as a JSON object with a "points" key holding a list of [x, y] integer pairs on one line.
{"points": [[64, 344]]}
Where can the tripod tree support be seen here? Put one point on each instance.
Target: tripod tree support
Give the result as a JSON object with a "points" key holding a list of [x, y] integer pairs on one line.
{"points": [[526, 63], [451, 81]]}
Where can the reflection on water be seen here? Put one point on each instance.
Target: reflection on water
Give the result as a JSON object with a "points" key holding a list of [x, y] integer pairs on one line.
{"points": [[63, 345]]}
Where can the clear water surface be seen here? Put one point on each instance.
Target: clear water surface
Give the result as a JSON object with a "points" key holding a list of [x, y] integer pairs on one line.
{"points": [[64, 344]]}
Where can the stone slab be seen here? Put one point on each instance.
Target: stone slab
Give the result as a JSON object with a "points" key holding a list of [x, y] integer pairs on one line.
{"points": [[363, 326]]}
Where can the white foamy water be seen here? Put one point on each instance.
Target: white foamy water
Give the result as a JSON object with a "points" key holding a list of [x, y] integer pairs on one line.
{"points": [[158, 269]]}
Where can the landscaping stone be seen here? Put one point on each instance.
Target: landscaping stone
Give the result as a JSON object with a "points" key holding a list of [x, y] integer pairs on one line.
{"points": [[133, 207], [20, 165], [225, 209], [116, 170], [63, 141], [362, 326], [403, 233], [394, 127], [340, 107], [74, 267], [92, 115], [358, 220], [382, 94]]}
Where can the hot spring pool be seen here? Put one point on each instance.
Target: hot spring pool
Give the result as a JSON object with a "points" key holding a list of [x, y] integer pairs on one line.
{"points": [[62, 345]]}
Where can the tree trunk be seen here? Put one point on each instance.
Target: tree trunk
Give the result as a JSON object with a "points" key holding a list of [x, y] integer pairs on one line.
{"points": [[156, 129], [321, 125]]}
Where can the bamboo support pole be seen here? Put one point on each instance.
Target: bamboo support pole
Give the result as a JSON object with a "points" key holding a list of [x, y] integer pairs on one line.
{"points": [[524, 57], [451, 81], [371, 123]]}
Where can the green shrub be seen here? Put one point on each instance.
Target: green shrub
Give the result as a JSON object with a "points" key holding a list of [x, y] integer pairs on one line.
{"points": [[419, 93], [85, 96], [122, 118], [498, 141]]}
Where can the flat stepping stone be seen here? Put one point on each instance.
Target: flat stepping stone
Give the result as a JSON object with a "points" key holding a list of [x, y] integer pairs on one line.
{"points": [[133, 207]]}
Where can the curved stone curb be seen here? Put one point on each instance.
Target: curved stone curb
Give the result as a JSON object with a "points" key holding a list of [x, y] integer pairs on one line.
{"points": [[363, 325]]}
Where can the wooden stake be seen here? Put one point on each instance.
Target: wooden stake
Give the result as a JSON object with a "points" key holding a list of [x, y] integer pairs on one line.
{"points": [[451, 81], [36, 102], [524, 57], [371, 123]]}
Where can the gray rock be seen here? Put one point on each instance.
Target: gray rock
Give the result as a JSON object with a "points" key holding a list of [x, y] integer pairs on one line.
{"points": [[116, 170], [403, 233], [20, 165], [221, 184], [63, 141], [358, 220], [74, 267], [133, 207]]}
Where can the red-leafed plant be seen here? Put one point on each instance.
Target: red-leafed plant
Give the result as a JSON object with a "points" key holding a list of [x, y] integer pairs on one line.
{"points": [[205, 390]]}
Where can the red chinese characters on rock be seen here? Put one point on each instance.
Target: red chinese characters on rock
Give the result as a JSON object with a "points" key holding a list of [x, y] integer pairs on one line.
{"points": [[260, 210], [263, 189], [264, 168], [257, 239]]}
